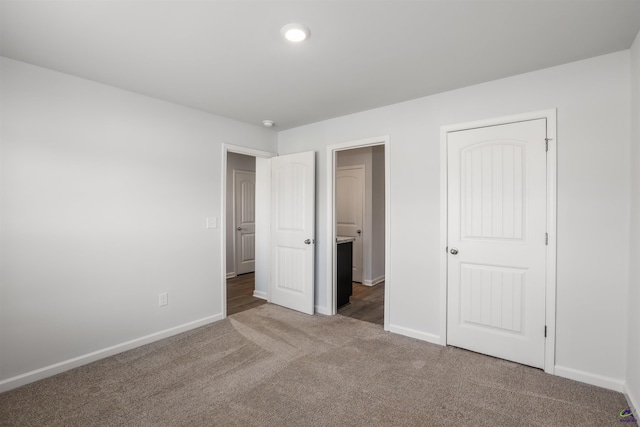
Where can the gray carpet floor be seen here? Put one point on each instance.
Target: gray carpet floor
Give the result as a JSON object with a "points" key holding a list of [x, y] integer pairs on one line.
{"points": [[270, 366]]}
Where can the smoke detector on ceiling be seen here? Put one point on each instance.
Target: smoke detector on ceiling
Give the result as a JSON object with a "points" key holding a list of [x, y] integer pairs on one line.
{"points": [[268, 123]]}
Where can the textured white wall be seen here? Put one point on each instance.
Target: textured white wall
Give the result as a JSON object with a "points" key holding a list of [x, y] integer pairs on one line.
{"points": [[633, 341], [241, 162], [104, 199], [592, 98]]}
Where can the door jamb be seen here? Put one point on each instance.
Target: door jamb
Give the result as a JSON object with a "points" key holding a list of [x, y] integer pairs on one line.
{"points": [[227, 148], [550, 286], [331, 225]]}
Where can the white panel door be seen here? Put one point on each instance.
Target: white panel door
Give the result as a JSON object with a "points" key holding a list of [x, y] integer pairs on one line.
{"points": [[350, 211], [293, 231], [496, 240], [245, 213]]}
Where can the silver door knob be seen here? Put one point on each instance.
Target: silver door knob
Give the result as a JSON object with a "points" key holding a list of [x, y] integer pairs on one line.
{"points": [[359, 231], [307, 242], [454, 251], [239, 228]]}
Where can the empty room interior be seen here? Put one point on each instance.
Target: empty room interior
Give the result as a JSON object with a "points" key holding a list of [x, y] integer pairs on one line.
{"points": [[320, 213]]}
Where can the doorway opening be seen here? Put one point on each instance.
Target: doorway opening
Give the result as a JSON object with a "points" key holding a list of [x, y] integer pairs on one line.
{"points": [[240, 231], [359, 219], [243, 260]]}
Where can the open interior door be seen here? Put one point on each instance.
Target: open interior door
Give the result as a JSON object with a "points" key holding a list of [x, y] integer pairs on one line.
{"points": [[293, 231]]}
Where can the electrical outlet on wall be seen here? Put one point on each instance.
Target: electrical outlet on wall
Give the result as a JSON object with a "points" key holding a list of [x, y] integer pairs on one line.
{"points": [[163, 299]]}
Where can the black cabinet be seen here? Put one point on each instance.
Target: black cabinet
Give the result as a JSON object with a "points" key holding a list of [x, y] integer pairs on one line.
{"points": [[344, 272]]}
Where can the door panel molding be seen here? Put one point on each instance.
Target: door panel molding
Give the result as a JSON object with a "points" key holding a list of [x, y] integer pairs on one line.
{"points": [[551, 196]]}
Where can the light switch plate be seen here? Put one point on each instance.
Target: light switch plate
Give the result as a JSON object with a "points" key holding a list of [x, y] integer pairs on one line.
{"points": [[212, 222]]}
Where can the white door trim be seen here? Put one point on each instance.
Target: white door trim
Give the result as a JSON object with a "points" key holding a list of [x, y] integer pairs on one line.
{"points": [[227, 148], [550, 291], [331, 223]]}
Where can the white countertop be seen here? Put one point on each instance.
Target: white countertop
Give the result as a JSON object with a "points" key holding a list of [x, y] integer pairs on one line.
{"points": [[344, 239]]}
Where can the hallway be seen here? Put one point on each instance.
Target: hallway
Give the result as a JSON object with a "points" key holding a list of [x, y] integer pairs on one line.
{"points": [[367, 304], [240, 294]]}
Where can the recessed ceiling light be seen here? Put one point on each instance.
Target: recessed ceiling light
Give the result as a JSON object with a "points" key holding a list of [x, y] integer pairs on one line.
{"points": [[295, 32]]}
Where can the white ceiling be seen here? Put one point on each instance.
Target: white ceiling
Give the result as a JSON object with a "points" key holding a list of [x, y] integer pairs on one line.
{"points": [[228, 58]]}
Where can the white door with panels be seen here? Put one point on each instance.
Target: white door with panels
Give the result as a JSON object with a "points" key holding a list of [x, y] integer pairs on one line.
{"points": [[292, 231], [245, 220], [350, 211], [497, 235]]}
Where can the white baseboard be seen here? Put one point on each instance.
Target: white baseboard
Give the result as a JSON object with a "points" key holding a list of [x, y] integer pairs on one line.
{"points": [[589, 378], [374, 281], [412, 333], [48, 371], [260, 294], [322, 310], [231, 275], [632, 399]]}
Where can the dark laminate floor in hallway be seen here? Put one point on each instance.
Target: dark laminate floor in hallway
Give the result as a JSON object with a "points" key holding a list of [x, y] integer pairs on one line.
{"points": [[366, 303], [240, 294]]}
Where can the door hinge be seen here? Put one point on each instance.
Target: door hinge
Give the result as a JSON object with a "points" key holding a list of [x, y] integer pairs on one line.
{"points": [[545, 331], [546, 238]]}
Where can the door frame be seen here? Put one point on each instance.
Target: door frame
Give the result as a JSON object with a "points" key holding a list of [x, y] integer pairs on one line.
{"points": [[550, 285], [331, 220], [227, 148], [363, 223]]}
